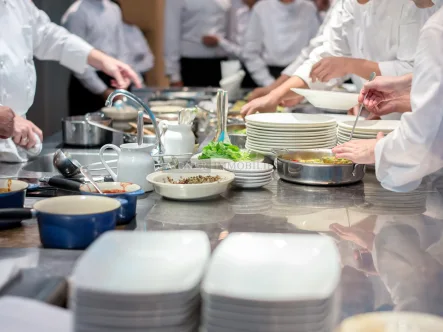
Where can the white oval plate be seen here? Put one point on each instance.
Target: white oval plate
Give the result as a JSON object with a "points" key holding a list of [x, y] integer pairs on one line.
{"points": [[329, 99]]}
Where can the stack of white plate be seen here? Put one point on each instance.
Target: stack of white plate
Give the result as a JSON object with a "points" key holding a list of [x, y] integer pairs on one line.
{"points": [[272, 282], [367, 129], [250, 174], [269, 131], [133, 281]]}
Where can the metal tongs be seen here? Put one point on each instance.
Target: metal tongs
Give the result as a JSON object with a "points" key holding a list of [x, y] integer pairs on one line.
{"points": [[361, 109], [222, 117]]}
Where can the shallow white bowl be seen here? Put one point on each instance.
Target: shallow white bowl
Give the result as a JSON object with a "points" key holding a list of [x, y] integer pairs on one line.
{"points": [[248, 167], [190, 191], [329, 99]]}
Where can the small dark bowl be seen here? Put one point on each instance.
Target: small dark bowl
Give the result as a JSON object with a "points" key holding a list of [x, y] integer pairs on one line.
{"points": [[16, 197]]}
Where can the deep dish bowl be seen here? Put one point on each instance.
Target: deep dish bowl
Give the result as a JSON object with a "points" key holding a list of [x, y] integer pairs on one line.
{"points": [[127, 196], [316, 174], [190, 191]]}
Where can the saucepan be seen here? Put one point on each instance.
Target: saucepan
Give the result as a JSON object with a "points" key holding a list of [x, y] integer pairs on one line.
{"points": [[315, 174], [126, 193], [12, 195], [69, 222], [78, 132]]}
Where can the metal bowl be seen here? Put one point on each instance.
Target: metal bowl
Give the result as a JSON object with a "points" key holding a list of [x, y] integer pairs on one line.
{"points": [[237, 139], [316, 174]]}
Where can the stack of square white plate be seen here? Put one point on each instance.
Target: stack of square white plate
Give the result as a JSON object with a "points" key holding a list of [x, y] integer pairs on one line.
{"points": [[367, 129], [269, 131], [250, 174], [133, 281], [272, 282]]}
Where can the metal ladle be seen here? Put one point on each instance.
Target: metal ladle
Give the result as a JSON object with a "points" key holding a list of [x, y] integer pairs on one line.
{"points": [[65, 165]]}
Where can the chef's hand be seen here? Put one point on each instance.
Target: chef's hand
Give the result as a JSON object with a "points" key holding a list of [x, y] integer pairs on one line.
{"points": [[329, 68], [6, 122], [259, 92], [210, 40], [177, 84], [122, 73], [24, 131], [358, 151], [292, 102], [265, 104]]}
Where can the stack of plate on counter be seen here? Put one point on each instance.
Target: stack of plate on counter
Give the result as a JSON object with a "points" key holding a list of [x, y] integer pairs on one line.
{"points": [[250, 174], [272, 282], [269, 131], [133, 281], [367, 129]]}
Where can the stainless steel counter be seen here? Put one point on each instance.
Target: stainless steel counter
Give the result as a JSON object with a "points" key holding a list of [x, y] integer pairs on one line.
{"points": [[391, 243]]}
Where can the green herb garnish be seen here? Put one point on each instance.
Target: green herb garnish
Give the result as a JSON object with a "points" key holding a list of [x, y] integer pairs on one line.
{"points": [[224, 151]]}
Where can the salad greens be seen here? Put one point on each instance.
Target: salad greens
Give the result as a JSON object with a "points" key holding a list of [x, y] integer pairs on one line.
{"points": [[240, 131], [224, 151]]}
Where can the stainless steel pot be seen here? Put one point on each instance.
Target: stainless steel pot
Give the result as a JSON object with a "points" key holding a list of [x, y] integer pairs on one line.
{"points": [[78, 132], [316, 174]]}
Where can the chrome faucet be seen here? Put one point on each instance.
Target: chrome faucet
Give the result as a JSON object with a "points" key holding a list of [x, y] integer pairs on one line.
{"points": [[146, 110]]}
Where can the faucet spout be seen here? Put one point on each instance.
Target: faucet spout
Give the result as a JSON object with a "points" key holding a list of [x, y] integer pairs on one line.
{"points": [[146, 110]]}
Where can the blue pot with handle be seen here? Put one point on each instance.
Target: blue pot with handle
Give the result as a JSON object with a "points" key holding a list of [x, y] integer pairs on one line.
{"points": [[69, 222], [12, 195], [124, 192]]}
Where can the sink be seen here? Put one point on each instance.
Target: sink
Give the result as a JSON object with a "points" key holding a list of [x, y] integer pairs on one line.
{"points": [[44, 162]]}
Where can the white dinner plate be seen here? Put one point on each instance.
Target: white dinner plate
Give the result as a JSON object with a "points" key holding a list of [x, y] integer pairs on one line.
{"points": [[359, 135], [246, 179], [126, 113], [329, 99], [344, 117], [290, 120], [291, 140], [251, 185], [270, 129], [370, 126], [311, 145], [290, 134]]}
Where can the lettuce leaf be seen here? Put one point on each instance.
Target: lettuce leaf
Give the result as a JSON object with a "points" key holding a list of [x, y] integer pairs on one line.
{"points": [[224, 151]]}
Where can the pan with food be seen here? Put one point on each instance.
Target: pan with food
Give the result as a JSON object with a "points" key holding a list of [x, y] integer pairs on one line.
{"points": [[317, 167]]}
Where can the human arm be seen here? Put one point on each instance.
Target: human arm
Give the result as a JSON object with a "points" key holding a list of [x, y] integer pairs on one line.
{"points": [[263, 91], [6, 122], [173, 9], [252, 52]]}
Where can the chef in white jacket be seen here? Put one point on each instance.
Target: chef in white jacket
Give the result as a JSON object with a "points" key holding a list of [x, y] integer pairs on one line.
{"points": [[414, 150], [190, 58], [315, 42], [278, 30], [27, 32], [367, 36]]}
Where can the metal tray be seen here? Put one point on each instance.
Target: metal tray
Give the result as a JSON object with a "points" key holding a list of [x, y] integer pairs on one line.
{"points": [[316, 174]]}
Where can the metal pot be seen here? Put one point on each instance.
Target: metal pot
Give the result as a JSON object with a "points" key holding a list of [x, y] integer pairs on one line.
{"points": [[316, 174], [78, 132]]}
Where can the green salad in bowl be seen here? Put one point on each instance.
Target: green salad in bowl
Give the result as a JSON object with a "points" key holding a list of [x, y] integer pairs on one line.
{"points": [[226, 151]]}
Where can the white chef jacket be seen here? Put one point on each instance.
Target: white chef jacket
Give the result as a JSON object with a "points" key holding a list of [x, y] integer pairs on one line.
{"points": [[139, 53], [186, 22], [315, 42], [276, 33], [414, 150], [100, 23], [385, 31], [27, 32], [239, 21]]}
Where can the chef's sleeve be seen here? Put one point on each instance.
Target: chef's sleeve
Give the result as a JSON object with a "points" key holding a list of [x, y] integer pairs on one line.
{"points": [[414, 150], [172, 38], [76, 23], [52, 42], [335, 44], [231, 48]]}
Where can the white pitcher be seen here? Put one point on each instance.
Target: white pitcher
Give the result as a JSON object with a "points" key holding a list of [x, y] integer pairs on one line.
{"points": [[178, 139], [134, 163]]}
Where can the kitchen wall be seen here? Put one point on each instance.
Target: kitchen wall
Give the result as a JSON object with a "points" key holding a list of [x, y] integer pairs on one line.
{"points": [[50, 104]]}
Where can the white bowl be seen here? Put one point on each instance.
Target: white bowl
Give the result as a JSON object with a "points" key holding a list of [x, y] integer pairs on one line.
{"points": [[329, 99], [190, 191], [248, 167]]}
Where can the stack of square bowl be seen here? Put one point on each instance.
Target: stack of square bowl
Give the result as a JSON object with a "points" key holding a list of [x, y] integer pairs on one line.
{"points": [[133, 281], [272, 282]]}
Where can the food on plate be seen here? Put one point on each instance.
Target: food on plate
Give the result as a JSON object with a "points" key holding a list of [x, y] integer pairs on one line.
{"points": [[224, 151], [8, 189], [199, 179], [324, 160], [114, 191]]}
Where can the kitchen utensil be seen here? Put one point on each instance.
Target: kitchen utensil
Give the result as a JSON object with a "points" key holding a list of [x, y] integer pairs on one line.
{"points": [[70, 222], [104, 127], [190, 191], [329, 99], [186, 116], [178, 139], [77, 131], [316, 174], [222, 118], [361, 108], [63, 163], [86, 174], [134, 163], [140, 131]]}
